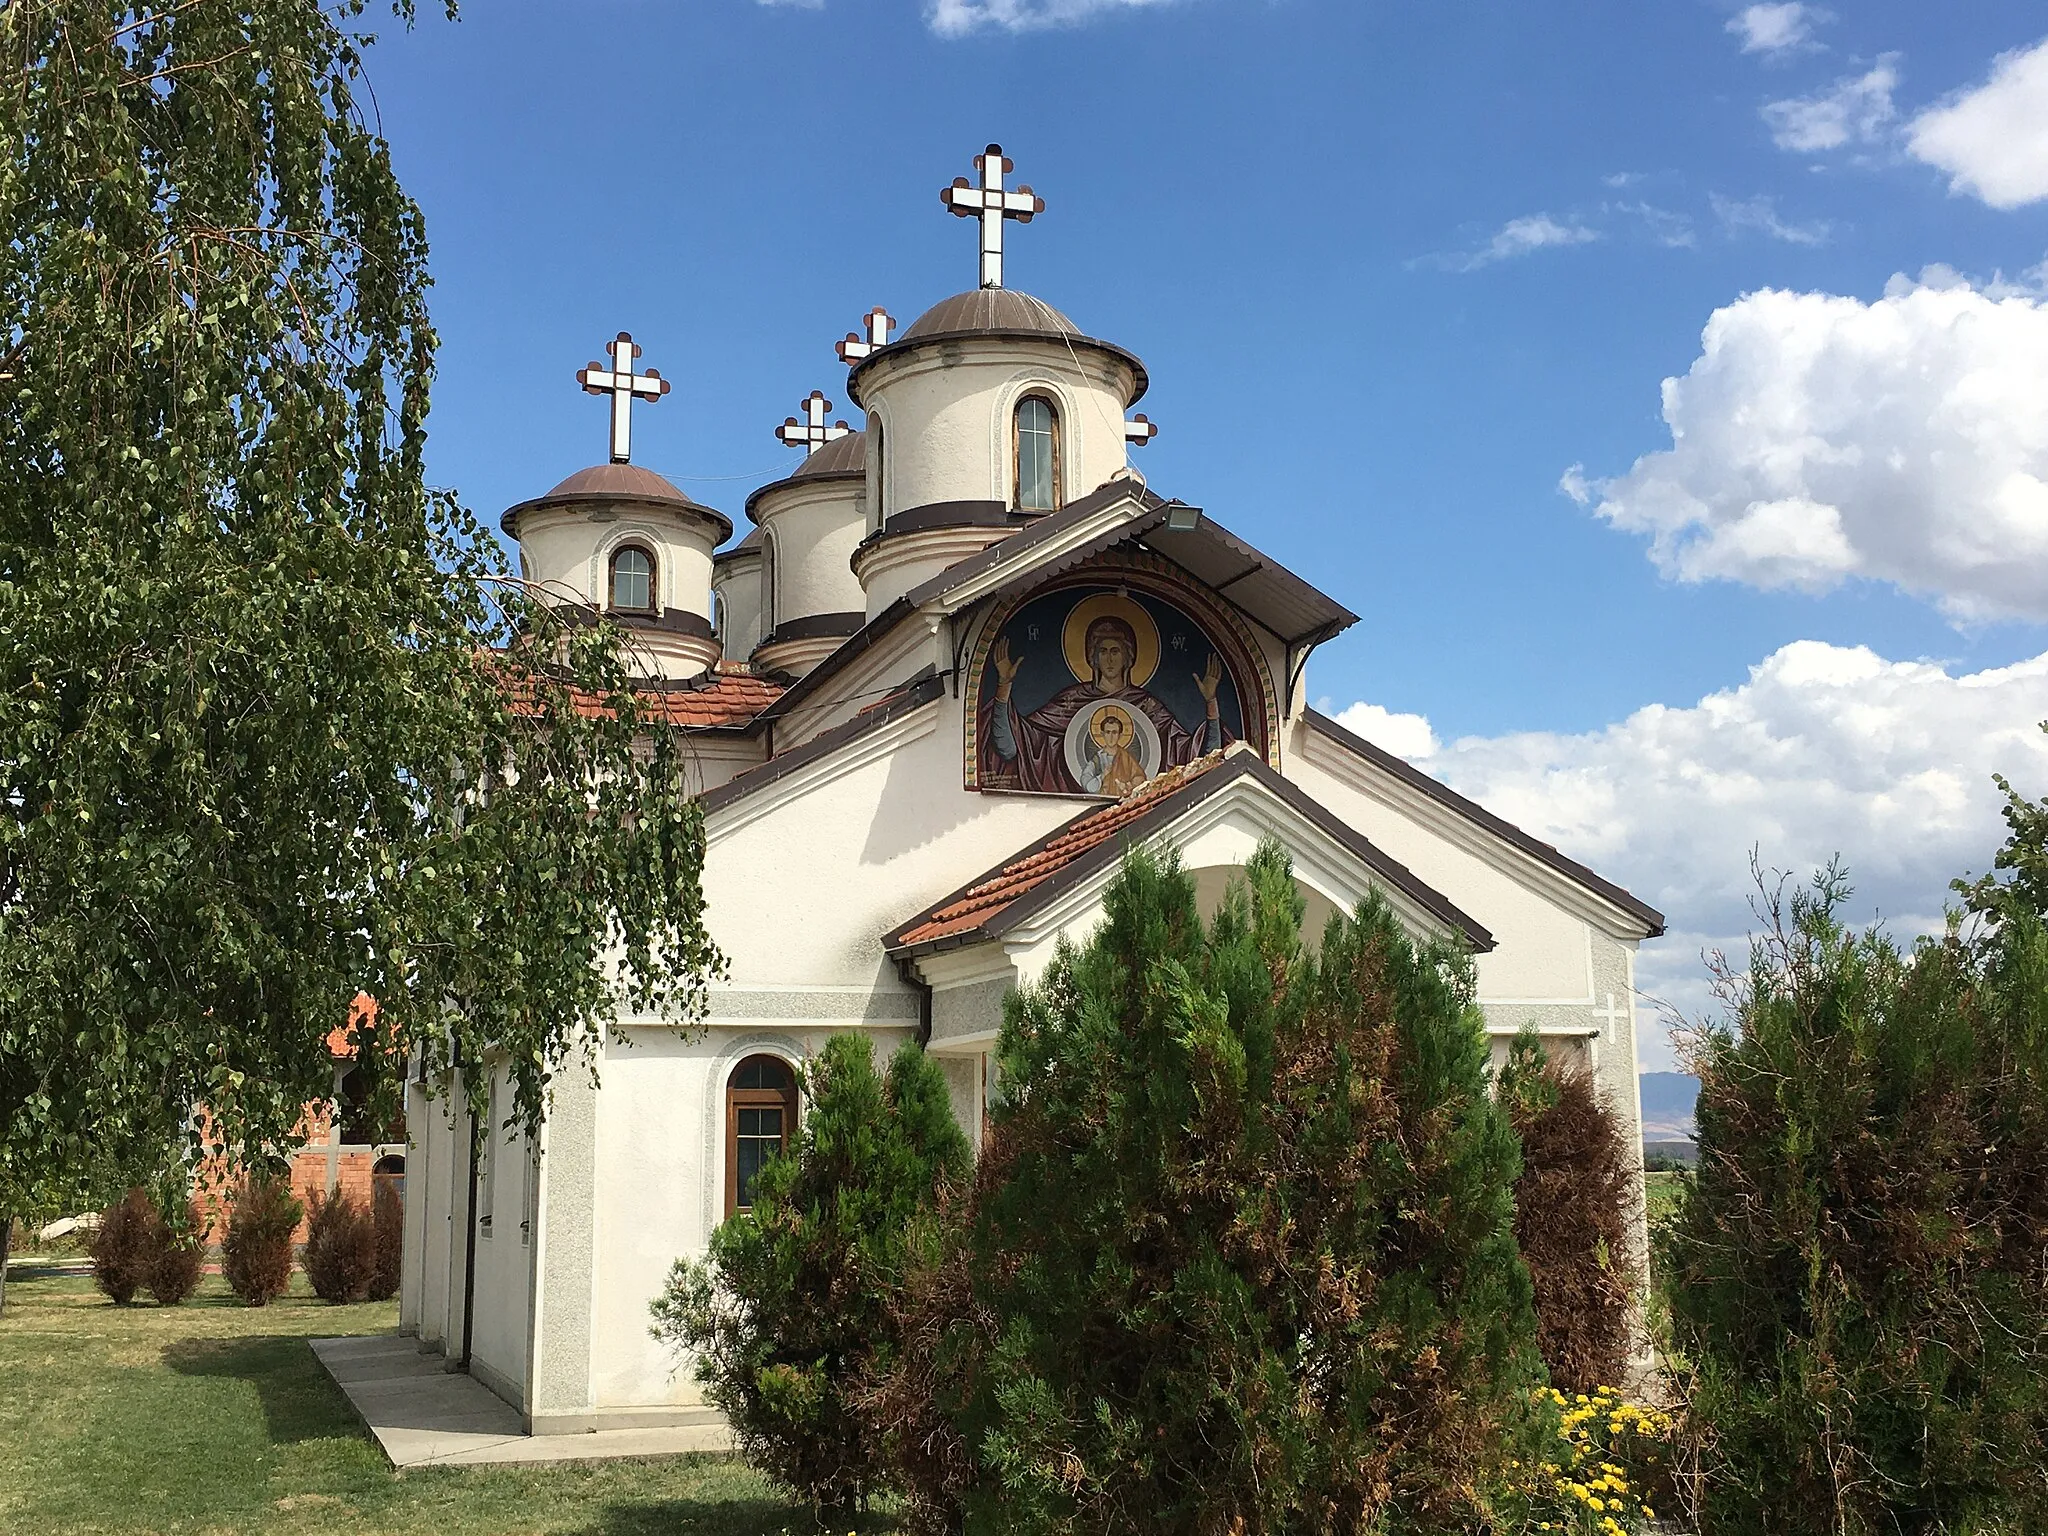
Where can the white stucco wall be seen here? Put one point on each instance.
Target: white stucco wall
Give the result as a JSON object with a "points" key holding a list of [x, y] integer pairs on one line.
{"points": [[504, 1251], [816, 525], [946, 412], [568, 550], [736, 580]]}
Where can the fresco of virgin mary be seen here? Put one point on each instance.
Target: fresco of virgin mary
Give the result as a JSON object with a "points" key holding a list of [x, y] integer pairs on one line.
{"points": [[1084, 695]]}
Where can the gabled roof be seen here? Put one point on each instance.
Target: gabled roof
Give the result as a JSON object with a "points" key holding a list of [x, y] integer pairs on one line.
{"points": [[1008, 895], [1268, 591], [1479, 815], [729, 697], [914, 694]]}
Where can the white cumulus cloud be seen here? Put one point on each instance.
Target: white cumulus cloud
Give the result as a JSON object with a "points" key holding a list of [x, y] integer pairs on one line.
{"points": [[1854, 110], [1403, 735], [1818, 438], [1993, 139], [1823, 750], [957, 18], [1776, 30]]}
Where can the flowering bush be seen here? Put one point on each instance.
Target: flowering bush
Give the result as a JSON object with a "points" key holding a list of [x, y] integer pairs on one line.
{"points": [[1603, 1472]]}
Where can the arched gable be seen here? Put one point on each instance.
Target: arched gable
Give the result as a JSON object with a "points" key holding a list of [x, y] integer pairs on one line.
{"points": [[1063, 726]]}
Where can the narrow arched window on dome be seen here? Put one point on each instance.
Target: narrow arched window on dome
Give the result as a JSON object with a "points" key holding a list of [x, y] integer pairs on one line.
{"points": [[880, 512], [1038, 455], [632, 583]]}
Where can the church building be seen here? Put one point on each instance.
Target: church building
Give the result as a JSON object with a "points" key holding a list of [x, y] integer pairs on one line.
{"points": [[962, 658]]}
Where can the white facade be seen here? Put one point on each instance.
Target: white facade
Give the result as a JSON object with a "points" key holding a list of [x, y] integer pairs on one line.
{"points": [[850, 819]]}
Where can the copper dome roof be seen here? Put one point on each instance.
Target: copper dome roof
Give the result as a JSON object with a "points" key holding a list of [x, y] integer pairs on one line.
{"points": [[844, 458], [616, 483], [846, 455], [990, 309], [997, 312]]}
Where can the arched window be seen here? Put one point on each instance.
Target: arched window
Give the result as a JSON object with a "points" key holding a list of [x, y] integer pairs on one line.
{"points": [[632, 583], [767, 582], [880, 512], [760, 1118], [1038, 455]]}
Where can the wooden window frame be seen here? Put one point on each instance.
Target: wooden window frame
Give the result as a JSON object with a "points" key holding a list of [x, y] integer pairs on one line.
{"points": [[611, 580], [737, 1099], [1052, 407]]}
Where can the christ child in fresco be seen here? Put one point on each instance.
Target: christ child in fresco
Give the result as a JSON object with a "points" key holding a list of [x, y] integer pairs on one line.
{"points": [[1035, 744], [1113, 768]]}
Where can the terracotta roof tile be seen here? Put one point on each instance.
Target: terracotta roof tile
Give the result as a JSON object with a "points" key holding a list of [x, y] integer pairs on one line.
{"points": [[733, 695], [981, 903]]}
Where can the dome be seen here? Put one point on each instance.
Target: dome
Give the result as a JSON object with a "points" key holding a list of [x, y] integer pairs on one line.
{"points": [[990, 309], [616, 480], [620, 483], [846, 455], [844, 458], [1001, 314]]}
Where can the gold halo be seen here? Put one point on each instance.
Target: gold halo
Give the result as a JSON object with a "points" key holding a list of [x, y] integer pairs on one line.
{"points": [[1095, 725], [1074, 637]]}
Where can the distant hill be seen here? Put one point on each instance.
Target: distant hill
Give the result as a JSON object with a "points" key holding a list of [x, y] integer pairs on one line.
{"points": [[1668, 1099]]}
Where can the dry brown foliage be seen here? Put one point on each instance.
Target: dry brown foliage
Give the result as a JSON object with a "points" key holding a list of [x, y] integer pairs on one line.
{"points": [[256, 1258], [341, 1249], [1575, 1219], [387, 1223], [181, 1253]]}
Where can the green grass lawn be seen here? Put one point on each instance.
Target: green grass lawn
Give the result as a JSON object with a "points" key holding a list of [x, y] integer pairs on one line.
{"points": [[214, 1418]]}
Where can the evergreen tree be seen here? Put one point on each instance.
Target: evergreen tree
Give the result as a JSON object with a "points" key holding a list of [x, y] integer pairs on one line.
{"points": [[1858, 1273], [789, 1315], [1241, 1256], [1578, 1209]]}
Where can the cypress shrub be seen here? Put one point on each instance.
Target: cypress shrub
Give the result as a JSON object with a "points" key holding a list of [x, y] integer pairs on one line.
{"points": [[1241, 1257], [256, 1257], [789, 1315], [387, 1225], [180, 1255], [341, 1249], [1858, 1272], [126, 1246], [1576, 1208]]}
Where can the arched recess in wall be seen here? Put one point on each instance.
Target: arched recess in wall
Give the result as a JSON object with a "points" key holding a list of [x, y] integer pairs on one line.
{"points": [[1108, 675]]}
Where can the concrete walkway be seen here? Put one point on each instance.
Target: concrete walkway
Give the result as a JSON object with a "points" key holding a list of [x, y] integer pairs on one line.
{"points": [[426, 1415]]}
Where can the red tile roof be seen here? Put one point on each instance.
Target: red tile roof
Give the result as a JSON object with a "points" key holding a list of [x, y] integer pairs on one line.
{"points": [[735, 695], [982, 902], [732, 696]]}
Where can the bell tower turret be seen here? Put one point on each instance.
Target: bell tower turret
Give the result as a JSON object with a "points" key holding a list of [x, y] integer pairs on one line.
{"points": [[619, 539]]}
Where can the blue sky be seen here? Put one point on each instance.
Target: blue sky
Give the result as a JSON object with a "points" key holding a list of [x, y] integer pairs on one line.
{"points": [[1396, 269]]}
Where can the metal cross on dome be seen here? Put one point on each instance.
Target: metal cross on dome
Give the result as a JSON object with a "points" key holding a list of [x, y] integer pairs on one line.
{"points": [[877, 323], [993, 205], [622, 384], [812, 432], [1140, 430]]}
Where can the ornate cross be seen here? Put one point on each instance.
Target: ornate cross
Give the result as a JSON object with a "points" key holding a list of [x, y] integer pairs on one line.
{"points": [[878, 323], [622, 384], [993, 205], [1140, 430], [812, 432]]}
